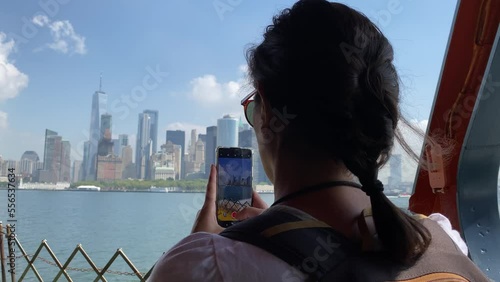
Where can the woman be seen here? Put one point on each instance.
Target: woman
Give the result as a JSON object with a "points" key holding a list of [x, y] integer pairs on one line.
{"points": [[325, 113]]}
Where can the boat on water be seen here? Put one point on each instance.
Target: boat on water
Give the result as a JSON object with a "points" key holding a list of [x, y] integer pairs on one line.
{"points": [[87, 188], [155, 189]]}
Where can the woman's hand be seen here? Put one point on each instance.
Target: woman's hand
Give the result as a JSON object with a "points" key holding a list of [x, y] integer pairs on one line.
{"points": [[258, 207], [206, 220]]}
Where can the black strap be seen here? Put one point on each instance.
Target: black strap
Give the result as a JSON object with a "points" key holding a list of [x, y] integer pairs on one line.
{"points": [[311, 246], [314, 188]]}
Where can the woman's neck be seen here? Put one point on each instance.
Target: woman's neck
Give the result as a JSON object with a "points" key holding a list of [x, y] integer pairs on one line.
{"points": [[292, 174], [339, 206]]}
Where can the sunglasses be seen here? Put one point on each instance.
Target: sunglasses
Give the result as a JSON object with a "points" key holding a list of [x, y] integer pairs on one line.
{"points": [[248, 106]]}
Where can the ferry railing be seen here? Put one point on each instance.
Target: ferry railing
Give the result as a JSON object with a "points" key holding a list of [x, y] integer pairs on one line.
{"points": [[63, 268]]}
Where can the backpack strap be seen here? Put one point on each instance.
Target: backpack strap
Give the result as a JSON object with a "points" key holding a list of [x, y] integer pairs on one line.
{"points": [[310, 245]]}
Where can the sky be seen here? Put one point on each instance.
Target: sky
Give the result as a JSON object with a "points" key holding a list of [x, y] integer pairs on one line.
{"points": [[184, 58]]}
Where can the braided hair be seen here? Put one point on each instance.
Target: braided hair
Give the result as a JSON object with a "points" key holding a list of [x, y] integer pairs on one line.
{"points": [[332, 67]]}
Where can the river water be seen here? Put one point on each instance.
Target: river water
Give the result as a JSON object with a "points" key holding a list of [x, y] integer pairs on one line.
{"points": [[143, 225]]}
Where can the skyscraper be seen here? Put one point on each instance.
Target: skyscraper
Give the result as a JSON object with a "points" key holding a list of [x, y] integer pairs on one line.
{"points": [[192, 145], [99, 106], [47, 157], [143, 146], [75, 174], [175, 151], [153, 129], [227, 131], [128, 167], [51, 157], [109, 165], [123, 140], [195, 163], [28, 163], [178, 137], [202, 137], [56, 164], [65, 169], [117, 149], [210, 145], [119, 144], [199, 159], [85, 161]]}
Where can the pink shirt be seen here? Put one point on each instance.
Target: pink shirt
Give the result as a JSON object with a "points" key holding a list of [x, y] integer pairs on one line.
{"points": [[211, 257]]}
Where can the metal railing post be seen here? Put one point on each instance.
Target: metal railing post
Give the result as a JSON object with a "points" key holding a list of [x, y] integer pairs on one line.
{"points": [[12, 254], [2, 254]]}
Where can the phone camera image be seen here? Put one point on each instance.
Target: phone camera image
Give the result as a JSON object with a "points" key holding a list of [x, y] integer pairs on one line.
{"points": [[234, 185]]}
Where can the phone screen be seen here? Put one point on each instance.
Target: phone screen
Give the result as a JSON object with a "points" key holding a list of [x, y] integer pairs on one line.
{"points": [[234, 183]]}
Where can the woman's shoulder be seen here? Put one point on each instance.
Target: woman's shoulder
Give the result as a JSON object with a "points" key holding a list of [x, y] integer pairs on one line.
{"points": [[211, 257], [195, 249]]}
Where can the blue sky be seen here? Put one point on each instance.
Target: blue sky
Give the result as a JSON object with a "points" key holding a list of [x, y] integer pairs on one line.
{"points": [[53, 54]]}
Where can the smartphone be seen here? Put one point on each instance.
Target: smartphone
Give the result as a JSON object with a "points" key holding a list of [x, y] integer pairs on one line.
{"points": [[234, 183]]}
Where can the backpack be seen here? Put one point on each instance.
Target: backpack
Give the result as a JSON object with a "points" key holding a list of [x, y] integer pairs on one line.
{"points": [[319, 253]]}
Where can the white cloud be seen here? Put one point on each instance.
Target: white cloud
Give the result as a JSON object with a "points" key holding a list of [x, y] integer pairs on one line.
{"points": [[220, 98], [12, 81], [3, 120], [41, 20], [65, 39], [207, 90]]}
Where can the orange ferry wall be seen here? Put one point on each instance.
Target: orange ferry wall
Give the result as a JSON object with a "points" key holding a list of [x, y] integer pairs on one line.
{"points": [[473, 34]]}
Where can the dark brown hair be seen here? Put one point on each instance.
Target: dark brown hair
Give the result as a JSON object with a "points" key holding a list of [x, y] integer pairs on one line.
{"points": [[332, 67]]}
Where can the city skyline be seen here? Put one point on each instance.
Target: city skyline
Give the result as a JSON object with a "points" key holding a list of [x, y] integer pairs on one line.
{"points": [[192, 76], [229, 129]]}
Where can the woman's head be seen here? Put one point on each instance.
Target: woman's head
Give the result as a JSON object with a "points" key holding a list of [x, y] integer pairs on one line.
{"points": [[326, 84], [332, 68]]}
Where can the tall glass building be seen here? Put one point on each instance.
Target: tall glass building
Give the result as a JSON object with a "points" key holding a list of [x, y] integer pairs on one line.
{"points": [[210, 145], [227, 131], [143, 146], [56, 159], [99, 107], [65, 167], [153, 129], [51, 157]]}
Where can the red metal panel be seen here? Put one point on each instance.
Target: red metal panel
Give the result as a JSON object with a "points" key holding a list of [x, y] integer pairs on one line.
{"points": [[474, 31]]}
